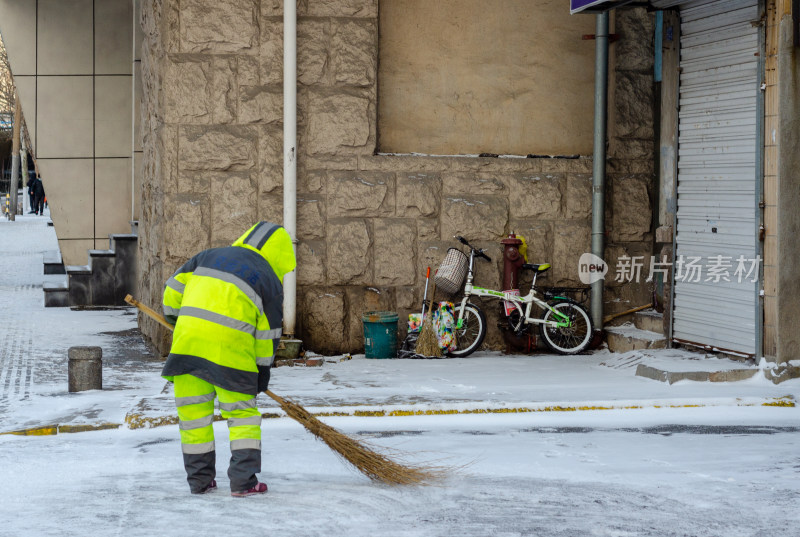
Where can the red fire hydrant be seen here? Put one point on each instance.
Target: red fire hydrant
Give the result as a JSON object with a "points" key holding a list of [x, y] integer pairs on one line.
{"points": [[512, 261]]}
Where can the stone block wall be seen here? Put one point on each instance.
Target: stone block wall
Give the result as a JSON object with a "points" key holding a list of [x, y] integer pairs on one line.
{"points": [[632, 186], [368, 224]]}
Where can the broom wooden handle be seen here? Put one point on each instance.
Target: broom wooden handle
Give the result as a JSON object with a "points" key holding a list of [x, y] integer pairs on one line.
{"points": [[160, 318], [149, 311], [278, 399], [620, 314]]}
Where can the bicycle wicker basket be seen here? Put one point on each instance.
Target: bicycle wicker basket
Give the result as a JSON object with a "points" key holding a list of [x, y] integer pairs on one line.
{"points": [[450, 276]]}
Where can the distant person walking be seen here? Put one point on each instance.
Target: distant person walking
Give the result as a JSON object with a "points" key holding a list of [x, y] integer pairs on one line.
{"points": [[38, 200], [32, 180]]}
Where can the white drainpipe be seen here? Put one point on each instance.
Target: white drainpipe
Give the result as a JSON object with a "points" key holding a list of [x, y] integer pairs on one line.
{"points": [[290, 156]]}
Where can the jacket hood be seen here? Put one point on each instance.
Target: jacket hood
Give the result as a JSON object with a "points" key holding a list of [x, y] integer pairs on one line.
{"points": [[273, 243]]}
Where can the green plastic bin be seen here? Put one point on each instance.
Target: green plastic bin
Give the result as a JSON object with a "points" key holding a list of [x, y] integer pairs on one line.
{"points": [[380, 334]]}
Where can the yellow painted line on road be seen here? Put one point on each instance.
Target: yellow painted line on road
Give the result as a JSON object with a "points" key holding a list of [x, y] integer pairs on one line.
{"points": [[779, 402], [52, 430], [138, 421], [782, 403], [46, 430], [87, 427]]}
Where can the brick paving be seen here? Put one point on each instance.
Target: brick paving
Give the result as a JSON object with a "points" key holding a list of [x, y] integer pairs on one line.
{"points": [[34, 341], [22, 244]]}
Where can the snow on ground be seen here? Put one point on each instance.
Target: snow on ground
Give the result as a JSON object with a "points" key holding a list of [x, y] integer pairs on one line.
{"points": [[719, 470], [605, 473], [490, 379]]}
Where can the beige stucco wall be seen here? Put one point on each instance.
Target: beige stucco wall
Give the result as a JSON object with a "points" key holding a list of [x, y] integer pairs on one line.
{"points": [[787, 219], [463, 77], [74, 79], [368, 224]]}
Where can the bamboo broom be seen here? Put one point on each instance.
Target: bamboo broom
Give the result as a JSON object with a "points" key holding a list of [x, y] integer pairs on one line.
{"points": [[376, 466], [427, 343]]}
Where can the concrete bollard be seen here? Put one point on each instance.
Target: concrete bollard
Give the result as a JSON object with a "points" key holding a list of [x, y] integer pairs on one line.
{"points": [[85, 369]]}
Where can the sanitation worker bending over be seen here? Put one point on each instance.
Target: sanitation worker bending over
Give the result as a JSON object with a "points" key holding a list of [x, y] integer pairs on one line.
{"points": [[227, 308]]}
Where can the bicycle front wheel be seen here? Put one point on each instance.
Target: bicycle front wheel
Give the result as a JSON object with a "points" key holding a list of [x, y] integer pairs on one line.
{"points": [[470, 336], [567, 339]]}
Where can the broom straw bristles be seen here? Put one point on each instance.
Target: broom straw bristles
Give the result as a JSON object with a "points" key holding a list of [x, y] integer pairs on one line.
{"points": [[427, 342], [369, 462], [372, 464]]}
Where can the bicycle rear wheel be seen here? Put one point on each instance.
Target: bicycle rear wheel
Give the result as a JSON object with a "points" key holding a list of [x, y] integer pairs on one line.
{"points": [[470, 336], [567, 339]]}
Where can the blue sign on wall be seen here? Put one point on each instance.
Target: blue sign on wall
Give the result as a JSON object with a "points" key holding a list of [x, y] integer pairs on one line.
{"points": [[576, 6]]}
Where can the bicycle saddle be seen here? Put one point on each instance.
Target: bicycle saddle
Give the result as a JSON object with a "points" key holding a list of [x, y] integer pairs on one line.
{"points": [[538, 268]]}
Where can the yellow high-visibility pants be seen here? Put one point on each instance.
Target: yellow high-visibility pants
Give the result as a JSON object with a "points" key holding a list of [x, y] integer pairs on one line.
{"points": [[194, 399]]}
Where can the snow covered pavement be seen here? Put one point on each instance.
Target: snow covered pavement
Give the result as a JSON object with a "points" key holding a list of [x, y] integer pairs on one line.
{"points": [[595, 473], [541, 445]]}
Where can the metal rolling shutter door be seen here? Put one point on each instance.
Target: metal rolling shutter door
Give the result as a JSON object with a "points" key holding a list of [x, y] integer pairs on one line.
{"points": [[716, 211]]}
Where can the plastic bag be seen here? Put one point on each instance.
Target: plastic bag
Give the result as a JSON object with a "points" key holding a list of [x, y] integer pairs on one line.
{"points": [[444, 323], [414, 322]]}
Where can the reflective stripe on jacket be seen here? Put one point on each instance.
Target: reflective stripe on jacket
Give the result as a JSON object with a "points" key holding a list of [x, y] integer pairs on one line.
{"points": [[227, 307]]}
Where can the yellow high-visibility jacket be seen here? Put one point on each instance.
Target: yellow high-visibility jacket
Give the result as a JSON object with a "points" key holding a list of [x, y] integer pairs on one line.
{"points": [[227, 308]]}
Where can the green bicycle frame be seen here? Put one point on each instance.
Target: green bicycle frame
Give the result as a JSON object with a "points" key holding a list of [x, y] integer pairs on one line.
{"points": [[519, 301]]}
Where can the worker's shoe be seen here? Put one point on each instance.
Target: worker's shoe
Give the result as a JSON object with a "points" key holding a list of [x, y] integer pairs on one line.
{"points": [[208, 488], [260, 488]]}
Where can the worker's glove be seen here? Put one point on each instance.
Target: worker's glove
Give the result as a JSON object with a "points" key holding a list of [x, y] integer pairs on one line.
{"points": [[263, 378]]}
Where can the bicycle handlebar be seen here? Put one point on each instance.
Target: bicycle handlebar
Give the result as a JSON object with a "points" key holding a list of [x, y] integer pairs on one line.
{"points": [[478, 251]]}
